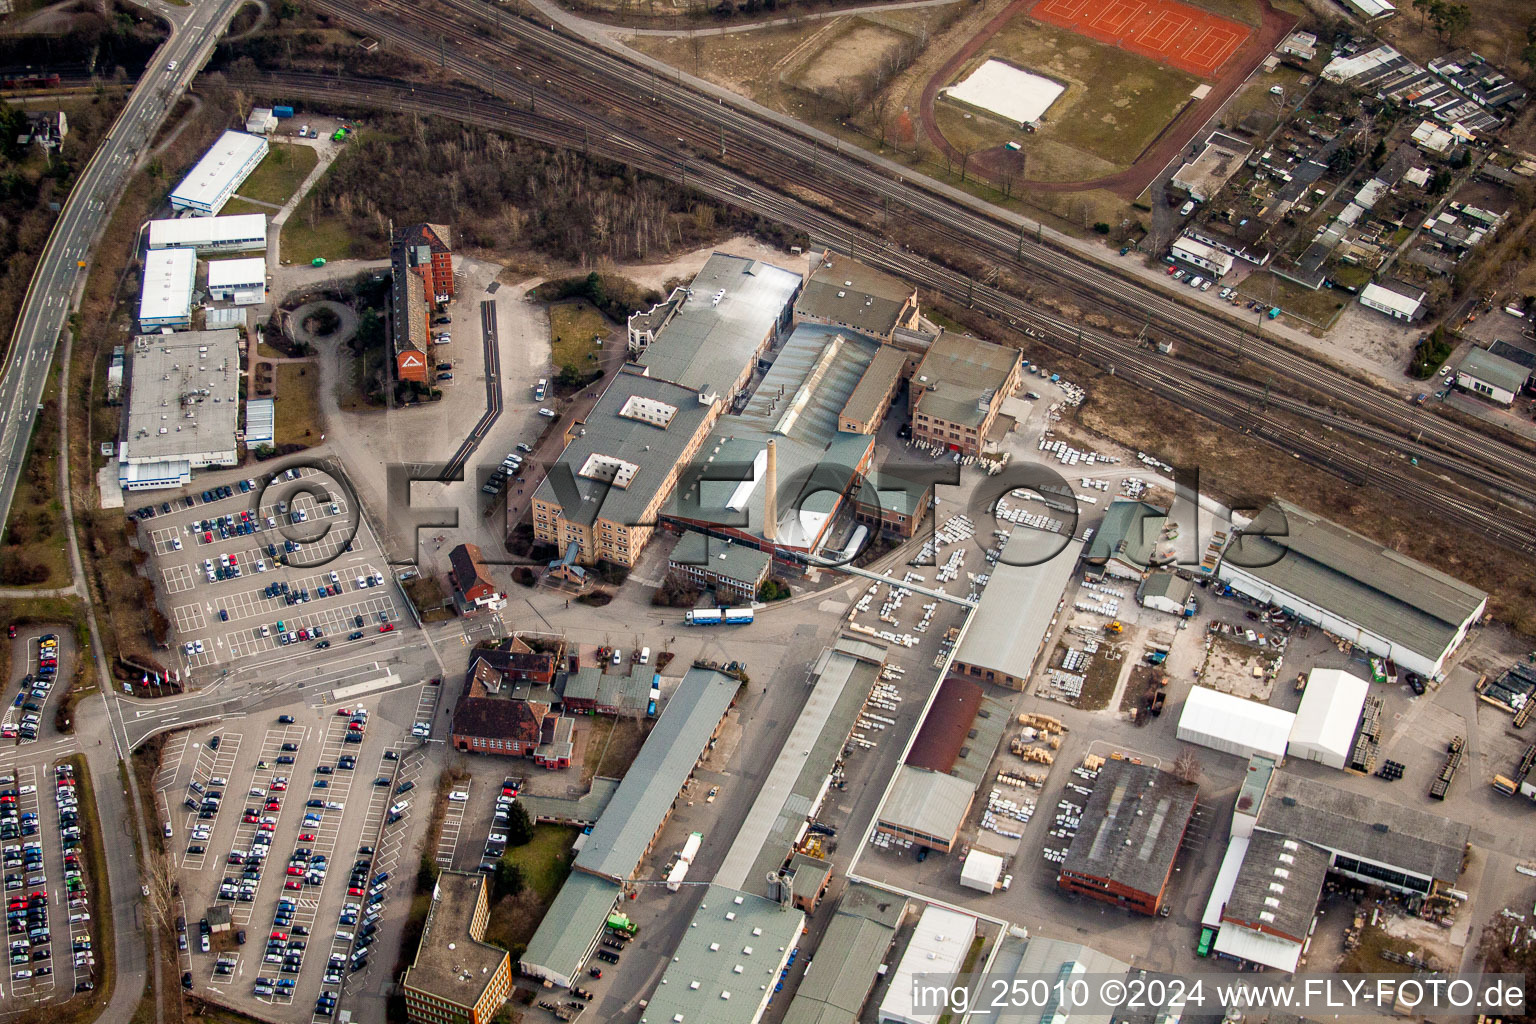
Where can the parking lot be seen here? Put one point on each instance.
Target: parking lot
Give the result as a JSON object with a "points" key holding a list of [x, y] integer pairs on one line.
{"points": [[294, 824], [256, 565], [35, 660]]}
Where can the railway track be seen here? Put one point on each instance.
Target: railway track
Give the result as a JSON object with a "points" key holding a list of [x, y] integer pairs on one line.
{"points": [[1239, 406]]}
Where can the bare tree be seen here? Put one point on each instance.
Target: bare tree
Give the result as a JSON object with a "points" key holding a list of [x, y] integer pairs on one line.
{"points": [[965, 158], [1187, 766], [161, 880], [880, 114]]}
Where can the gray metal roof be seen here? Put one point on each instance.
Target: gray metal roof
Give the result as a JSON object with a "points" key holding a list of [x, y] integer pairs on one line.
{"points": [[851, 951], [653, 781], [1385, 593], [183, 394], [1014, 614], [1278, 885], [734, 561], [842, 291], [571, 925], [1167, 584], [927, 802], [1364, 827], [586, 808], [797, 404], [654, 448], [1495, 370], [728, 961], [1129, 531], [956, 373], [1018, 957], [1132, 826], [879, 380], [708, 344], [628, 690]]}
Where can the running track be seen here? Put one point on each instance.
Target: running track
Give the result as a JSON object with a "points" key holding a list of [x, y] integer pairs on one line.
{"points": [[1131, 182]]}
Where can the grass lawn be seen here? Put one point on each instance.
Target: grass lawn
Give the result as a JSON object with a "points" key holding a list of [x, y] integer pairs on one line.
{"points": [[612, 746], [572, 328], [1115, 102], [546, 860], [279, 176], [35, 536], [298, 404], [236, 207], [327, 237], [1319, 307]]}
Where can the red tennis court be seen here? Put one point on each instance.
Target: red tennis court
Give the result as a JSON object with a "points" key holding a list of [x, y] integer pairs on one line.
{"points": [[1167, 31]]}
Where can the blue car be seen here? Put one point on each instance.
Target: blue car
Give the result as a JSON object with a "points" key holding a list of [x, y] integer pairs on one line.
{"points": [[20, 697]]}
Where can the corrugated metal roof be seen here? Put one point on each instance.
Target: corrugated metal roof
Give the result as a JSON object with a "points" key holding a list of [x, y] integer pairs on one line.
{"points": [[1495, 370], [1278, 885], [927, 802], [1014, 614], [1385, 593], [260, 420], [571, 925], [645, 797], [850, 953]]}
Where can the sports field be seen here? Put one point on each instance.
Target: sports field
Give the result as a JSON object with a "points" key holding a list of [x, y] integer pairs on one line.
{"points": [[1167, 31]]}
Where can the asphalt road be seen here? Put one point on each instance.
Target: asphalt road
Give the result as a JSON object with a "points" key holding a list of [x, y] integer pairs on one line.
{"points": [[85, 214]]}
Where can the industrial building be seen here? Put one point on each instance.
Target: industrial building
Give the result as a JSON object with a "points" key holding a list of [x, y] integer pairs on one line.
{"points": [[1374, 841], [1398, 300], [1324, 730], [1129, 540], [981, 871], [620, 465], [1006, 633], [1199, 254], [841, 292], [1132, 828], [165, 297], [631, 694], [261, 121], [925, 808], [245, 232], [1382, 601], [1166, 592], [629, 825], [1266, 912], [183, 407], [726, 967], [1020, 956], [958, 391], [733, 571], [849, 958], [890, 506], [937, 950], [242, 281], [217, 176], [456, 977], [1494, 377], [777, 475], [709, 336], [1234, 725]]}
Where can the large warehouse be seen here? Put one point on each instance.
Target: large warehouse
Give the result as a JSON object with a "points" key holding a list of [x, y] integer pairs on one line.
{"points": [[1008, 629], [183, 407], [849, 957], [937, 950], [1132, 828], [1324, 730], [1353, 587], [222, 170], [165, 297], [1267, 913], [245, 232], [1234, 725]]}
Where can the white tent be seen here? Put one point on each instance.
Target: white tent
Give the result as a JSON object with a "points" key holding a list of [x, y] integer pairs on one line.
{"points": [[1325, 722], [1236, 726], [981, 871]]}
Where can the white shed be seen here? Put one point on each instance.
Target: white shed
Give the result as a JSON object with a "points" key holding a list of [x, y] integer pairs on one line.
{"points": [[981, 871], [1233, 725], [1325, 722]]}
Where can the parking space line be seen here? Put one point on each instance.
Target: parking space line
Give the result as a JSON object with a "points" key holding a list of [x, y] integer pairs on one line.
{"points": [[453, 821]]}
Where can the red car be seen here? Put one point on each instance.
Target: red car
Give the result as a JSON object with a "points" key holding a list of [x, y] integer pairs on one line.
{"points": [[266, 826], [355, 891], [293, 883], [343, 712], [279, 787], [306, 837], [207, 536], [273, 805], [295, 871], [388, 627]]}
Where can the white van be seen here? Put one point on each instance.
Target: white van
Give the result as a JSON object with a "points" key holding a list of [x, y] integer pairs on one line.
{"points": [[618, 656], [645, 655], [1195, 282]]}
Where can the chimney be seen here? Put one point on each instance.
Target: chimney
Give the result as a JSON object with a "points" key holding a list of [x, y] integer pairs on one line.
{"points": [[771, 497]]}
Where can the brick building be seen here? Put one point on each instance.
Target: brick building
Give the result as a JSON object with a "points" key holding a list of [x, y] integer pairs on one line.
{"points": [[428, 252], [472, 585], [958, 390], [456, 977]]}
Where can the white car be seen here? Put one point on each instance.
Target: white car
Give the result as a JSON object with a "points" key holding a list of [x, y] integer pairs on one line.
{"points": [[175, 543], [197, 646], [22, 975], [548, 414], [458, 796], [24, 790]]}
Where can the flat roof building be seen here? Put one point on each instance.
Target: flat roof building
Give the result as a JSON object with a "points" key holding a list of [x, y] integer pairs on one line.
{"points": [[1009, 626], [1234, 725], [958, 389], [1398, 300], [183, 407], [1036, 957], [926, 807], [841, 292], [733, 571], [221, 171], [457, 978], [1200, 254], [1375, 841], [848, 960], [242, 281], [714, 332], [726, 967], [1374, 597], [940, 942], [165, 297], [245, 232], [1219, 158], [608, 486], [1324, 730], [1132, 828]]}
